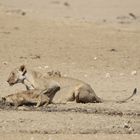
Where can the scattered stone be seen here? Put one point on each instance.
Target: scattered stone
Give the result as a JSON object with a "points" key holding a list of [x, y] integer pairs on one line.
{"points": [[66, 4], [23, 13], [104, 20], [85, 75], [46, 67], [126, 125], [107, 75], [23, 57], [5, 63], [35, 56], [121, 74], [65, 75], [5, 32], [55, 2], [39, 67], [134, 72], [95, 58], [113, 50], [16, 11], [124, 19], [32, 138], [132, 15], [130, 130], [16, 28]]}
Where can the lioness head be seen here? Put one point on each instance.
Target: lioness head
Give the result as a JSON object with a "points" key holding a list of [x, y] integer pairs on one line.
{"points": [[17, 75]]}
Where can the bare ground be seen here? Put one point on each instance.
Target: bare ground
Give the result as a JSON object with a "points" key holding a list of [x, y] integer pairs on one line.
{"points": [[103, 52]]}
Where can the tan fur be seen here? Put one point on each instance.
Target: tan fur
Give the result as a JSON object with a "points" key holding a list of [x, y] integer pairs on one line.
{"points": [[70, 89], [27, 97]]}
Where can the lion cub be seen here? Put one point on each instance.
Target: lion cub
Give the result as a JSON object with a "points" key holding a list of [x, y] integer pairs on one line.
{"points": [[26, 98], [31, 97]]}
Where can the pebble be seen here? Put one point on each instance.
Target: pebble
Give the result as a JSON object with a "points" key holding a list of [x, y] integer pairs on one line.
{"points": [[85, 75], [126, 125], [65, 75], [107, 75], [32, 138], [121, 74], [95, 58], [46, 67], [134, 72], [5, 62], [39, 67]]}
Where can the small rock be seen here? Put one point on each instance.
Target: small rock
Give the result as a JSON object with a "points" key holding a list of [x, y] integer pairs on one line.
{"points": [[121, 74], [39, 67], [16, 28], [35, 56], [95, 58], [134, 72], [21, 120], [130, 130], [132, 15], [46, 67], [32, 138], [65, 75], [23, 57], [85, 75], [126, 125], [113, 50], [107, 75], [23, 13], [104, 20], [5, 62], [66, 4]]}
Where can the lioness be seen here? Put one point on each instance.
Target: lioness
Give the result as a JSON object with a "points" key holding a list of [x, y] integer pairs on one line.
{"points": [[70, 89]]}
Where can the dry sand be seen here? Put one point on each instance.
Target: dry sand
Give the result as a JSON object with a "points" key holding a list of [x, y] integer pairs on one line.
{"points": [[94, 40]]}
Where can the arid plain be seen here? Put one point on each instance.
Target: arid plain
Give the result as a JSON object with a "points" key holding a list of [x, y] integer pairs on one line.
{"points": [[96, 41]]}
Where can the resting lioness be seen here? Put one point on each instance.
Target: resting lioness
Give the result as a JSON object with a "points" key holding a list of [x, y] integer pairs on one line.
{"points": [[31, 97], [70, 89]]}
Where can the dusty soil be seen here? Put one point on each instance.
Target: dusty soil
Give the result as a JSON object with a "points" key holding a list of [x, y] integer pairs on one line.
{"points": [[90, 40]]}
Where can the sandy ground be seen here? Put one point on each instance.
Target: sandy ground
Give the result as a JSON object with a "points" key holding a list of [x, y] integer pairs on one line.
{"points": [[92, 40]]}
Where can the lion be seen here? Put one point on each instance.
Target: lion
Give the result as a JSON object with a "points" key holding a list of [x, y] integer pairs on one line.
{"points": [[31, 97], [71, 90]]}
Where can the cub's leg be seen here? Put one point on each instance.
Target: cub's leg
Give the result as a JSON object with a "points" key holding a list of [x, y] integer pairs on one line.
{"points": [[43, 100], [51, 91], [47, 95]]}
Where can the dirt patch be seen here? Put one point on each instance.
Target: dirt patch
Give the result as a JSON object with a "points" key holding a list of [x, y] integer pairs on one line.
{"points": [[76, 108], [71, 119], [97, 43]]}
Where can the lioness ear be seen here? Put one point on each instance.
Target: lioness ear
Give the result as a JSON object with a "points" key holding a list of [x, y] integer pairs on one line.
{"points": [[3, 99], [23, 69]]}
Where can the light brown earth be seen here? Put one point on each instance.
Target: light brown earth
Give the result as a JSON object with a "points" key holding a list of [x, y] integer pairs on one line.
{"points": [[96, 41]]}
